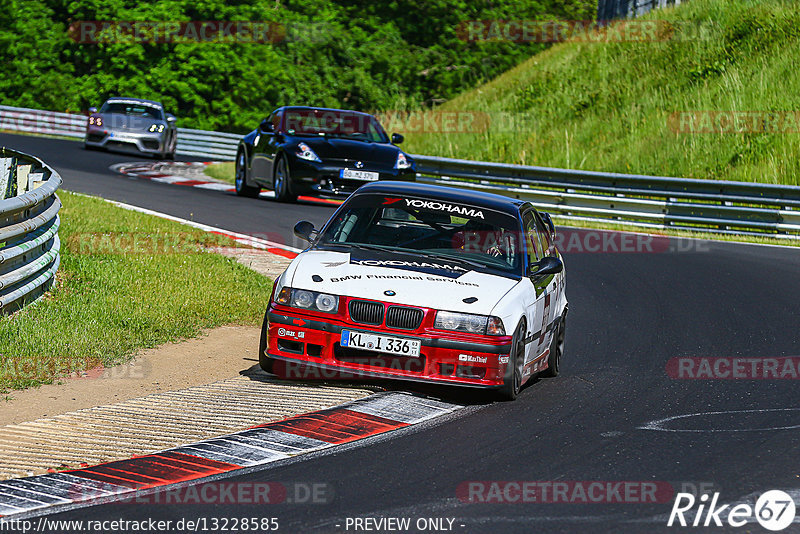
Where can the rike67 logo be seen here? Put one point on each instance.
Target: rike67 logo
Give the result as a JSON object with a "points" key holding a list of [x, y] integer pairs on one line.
{"points": [[774, 510]]}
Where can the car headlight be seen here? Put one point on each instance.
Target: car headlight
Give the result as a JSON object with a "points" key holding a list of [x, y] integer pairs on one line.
{"points": [[308, 300], [470, 323], [304, 152], [156, 128], [402, 161], [97, 121]]}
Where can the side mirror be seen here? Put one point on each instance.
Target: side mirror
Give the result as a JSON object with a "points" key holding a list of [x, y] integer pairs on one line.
{"points": [[92, 110], [171, 117], [545, 266], [303, 230], [397, 138], [266, 126]]}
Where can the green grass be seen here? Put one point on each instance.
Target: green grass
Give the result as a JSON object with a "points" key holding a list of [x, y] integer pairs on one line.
{"points": [[607, 106], [222, 171], [127, 281]]}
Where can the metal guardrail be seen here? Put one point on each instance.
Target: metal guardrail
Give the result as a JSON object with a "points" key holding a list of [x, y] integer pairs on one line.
{"points": [[29, 244], [624, 199], [202, 143], [628, 199]]}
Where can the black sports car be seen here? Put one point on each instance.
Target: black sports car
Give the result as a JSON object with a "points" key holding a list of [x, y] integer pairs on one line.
{"points": [[318, 151]]}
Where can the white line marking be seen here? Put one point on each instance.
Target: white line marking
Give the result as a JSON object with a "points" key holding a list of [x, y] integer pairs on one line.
{"points": [[255, 242], [658, 424]]}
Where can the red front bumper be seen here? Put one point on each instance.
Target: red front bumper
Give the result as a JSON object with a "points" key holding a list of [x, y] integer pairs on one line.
{"points": [[307, 345]]}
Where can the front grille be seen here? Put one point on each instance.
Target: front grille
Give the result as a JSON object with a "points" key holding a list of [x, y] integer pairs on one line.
{"points": [[152, 144], [402, 317], [95, 137], [362, 311]]}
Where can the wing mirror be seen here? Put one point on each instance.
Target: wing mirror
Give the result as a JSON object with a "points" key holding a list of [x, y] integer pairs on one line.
{"points": [[545, 266], [397, 138], [266, 126], [171, 117], [303, 230], [92, 110]]}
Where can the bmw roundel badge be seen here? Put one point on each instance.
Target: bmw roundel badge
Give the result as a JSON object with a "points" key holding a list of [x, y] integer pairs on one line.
{"points": [[389, 293]]}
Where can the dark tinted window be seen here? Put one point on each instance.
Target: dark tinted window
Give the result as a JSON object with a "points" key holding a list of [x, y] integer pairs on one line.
{"points": [[431, 227], [134, 110]]}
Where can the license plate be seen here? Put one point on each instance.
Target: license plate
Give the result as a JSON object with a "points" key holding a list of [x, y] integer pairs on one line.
{"points": [[359, 175], [379, 343]]}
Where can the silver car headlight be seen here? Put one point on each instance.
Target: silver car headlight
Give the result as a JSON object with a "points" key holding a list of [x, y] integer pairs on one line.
{"points": [[156, 128], [308, 300], [470, 323]]}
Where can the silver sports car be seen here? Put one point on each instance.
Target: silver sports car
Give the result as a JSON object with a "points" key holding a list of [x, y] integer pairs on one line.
{"points": [[132, 124]]}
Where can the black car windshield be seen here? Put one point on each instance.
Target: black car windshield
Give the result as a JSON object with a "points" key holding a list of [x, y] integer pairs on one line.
{"points": [[334, 123], [475, 235], [132, 109]]}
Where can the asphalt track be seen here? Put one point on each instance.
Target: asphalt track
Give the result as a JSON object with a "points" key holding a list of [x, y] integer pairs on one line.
{"points": [[630, 313]]}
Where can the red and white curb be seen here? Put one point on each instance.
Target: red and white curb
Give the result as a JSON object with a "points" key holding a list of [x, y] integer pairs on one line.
{"points": [[186, 173], [189, 174], [257, 446]]}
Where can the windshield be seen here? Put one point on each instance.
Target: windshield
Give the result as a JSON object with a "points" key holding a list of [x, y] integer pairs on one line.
{"points": [[475, 235], [132, 109], [334, 123]]}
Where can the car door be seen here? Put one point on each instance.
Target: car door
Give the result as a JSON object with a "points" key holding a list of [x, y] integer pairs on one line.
{"points": [[265, 147], [544, 288], [533, 299]]}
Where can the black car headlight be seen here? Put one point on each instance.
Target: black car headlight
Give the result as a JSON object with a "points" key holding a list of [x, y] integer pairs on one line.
{"points": [[308, 300], [304, 152], [470, 323], [402, 161]]}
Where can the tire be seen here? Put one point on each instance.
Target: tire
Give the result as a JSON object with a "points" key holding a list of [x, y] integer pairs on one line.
{"points": [[556, 351], [266, 363], [282, 182], [242, 189], [512, 382]]}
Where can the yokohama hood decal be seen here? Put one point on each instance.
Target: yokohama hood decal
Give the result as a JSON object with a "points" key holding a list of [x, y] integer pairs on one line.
{"points": [[429, 267]]}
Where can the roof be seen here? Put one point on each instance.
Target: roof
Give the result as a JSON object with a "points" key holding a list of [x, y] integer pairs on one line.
{"points": [[126, 99], [450, 194], [325, 109]]}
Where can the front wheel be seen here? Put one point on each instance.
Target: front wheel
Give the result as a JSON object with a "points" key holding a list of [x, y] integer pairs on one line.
{"points": [[282, 184], [240, 182], [556, 351], [512, 382]]}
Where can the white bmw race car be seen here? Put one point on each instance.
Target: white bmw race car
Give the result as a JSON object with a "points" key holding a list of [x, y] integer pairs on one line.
{"points": [[420, 282]]}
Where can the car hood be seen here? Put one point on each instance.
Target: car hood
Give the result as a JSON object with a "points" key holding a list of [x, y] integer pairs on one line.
{"points": [[348, 149], [415, 281], [120, 121]]}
